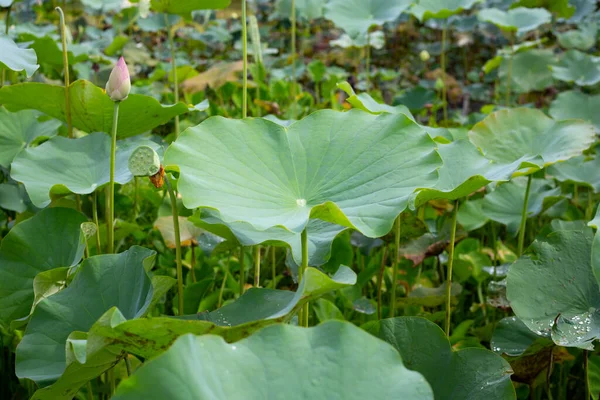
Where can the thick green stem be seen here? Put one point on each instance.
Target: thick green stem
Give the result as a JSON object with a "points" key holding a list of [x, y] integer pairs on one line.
{"points": [[174, 69], [294, 100], [242, 271], [586, 357], [257, 266], [175, 214], [395, 261], [95, 216], [90, 391], [380, 282], [443, 67], [368, 62], [225, 276], [450, 265], [245, 59], [303, 314], [524, 218], [274, 267], [63, 31], [510, 68], [111, 185], [193, 262]]}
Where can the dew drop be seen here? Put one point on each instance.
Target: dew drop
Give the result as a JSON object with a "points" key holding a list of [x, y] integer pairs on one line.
{"points": [[301, 202]]}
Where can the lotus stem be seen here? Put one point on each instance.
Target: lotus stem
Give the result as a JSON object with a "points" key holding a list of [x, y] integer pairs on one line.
{"points": [[587, 375], [225, 275], [174, 68], [95, 216], [6, 29], [193, 262], [450, 265], [257, 266], [242, 271], [90, 391], [380, 282], [111, 186], [510, 68], [245, 58], [395, 262], [303, 314], [273, 267], [368, 61], [443, 66], [293, 91], [524, 218], [175, 215], [63, 29]]}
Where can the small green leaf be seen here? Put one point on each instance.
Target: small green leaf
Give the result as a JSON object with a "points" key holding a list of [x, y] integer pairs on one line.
{"points": [[577, 67], [184, 7], [520, 20], [427, 9], [16, 58]]}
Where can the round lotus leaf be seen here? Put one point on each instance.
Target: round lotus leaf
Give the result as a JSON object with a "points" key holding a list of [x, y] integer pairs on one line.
{"points": [[520, 20], [577, 105], [50, 239], [353, 169], [471, 373], [144, 161], [530, 70], [552, 289], [581, 170], [356, 17], [530, 137], [280, 361], [426, 9], [16, 58], [577, 67]]}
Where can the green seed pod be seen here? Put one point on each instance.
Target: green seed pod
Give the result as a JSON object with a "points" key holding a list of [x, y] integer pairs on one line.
{"points": [[144, 161]]}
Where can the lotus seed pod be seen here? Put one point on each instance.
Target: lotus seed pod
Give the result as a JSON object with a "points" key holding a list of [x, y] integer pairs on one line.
{"points": [[144, 161], [424, 56], [119, 82], [88, 229]]}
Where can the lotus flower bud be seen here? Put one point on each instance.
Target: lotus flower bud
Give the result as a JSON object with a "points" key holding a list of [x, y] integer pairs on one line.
{"points": [[119, 83], [424, 55]]}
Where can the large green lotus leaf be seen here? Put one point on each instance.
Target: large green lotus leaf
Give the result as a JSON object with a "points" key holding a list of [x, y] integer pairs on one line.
{"points": [[50, 239], [318, 166], [255, 309], [577, 67], [583, 38], [18, 130], [520, 20], [553, 289], [320, 235], [426, 9], [184, 7], [91, 108], [308, 10], [104, 281], [50, 169], [530, 137], [88, 355], [365, 102], [579, 170], [512, 337], [530, 70], [471, 373], [574, 104], [465, 170], [281, 361], [505, 204], [356, 17], [16, 58]]}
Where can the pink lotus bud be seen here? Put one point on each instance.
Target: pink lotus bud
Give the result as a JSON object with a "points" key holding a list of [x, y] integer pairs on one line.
{"points": [[119, 83]]}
